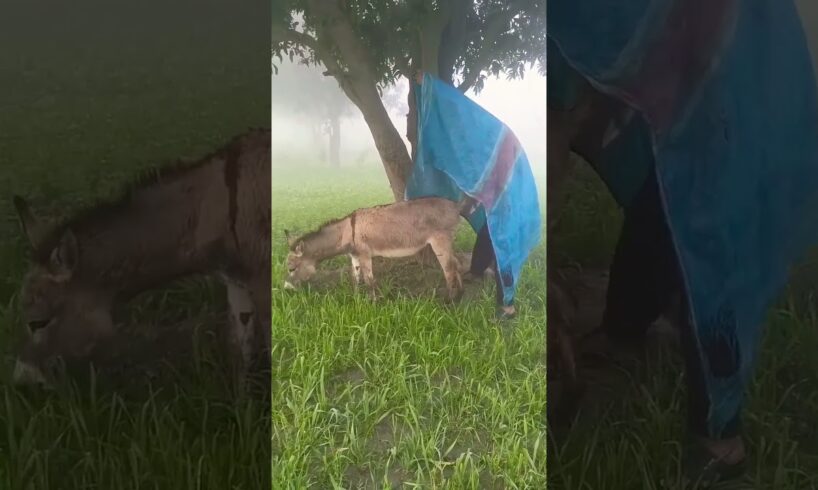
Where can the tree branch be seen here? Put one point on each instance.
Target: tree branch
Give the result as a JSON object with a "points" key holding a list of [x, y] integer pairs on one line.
{"points": [[492, 29], [339, 30], [322, 53], [403, 66], [339, 33], [453, 37], [282, 35], [431, 33]]}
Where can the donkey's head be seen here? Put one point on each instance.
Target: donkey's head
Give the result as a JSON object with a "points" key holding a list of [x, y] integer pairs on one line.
{"points": [[300, 266], [65, 314]]}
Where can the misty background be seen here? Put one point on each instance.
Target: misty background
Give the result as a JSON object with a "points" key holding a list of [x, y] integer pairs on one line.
{"points": [[311, 116]]}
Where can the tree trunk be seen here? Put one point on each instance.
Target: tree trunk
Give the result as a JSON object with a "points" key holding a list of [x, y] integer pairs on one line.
{"points": [[412, 119], [390, 145], [317, 139], [442, 36], [359, 82], [439, 41], [335, 142]]}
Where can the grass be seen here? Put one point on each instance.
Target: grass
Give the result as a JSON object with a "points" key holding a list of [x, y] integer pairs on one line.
{"points": [[95, 93], [633, 439], [403, 391]]}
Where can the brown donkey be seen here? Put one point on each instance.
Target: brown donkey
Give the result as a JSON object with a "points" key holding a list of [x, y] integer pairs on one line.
{"points": [[209, 217], [394, 230]]}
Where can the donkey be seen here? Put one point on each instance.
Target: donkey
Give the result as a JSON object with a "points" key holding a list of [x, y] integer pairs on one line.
{"points": [[401, 229], [211, 216]]}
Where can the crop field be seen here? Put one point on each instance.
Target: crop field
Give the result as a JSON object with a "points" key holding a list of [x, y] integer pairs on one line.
{"points": [[90, 98], [405, 389], [629, 431]]}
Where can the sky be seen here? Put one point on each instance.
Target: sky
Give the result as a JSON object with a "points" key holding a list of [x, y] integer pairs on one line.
{"points": [[520, 104]]}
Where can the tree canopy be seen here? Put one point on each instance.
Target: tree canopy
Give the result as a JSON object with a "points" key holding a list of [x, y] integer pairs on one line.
{"points": [[368, 45]]}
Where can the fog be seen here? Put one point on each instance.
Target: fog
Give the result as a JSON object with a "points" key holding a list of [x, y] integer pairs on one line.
{"points": [[520, 104]]}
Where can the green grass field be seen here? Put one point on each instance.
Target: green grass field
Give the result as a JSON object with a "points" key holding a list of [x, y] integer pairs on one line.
{"points": [[92, 94], [631, 437], [405, 389]]}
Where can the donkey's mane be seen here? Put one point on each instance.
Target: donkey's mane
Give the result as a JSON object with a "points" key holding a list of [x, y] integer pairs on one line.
{"points": [[314, 233], [106, 209]]}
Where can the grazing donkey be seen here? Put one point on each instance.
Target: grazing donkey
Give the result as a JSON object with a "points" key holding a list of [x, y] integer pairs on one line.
{"points": [[208, 217], [394, 230]]}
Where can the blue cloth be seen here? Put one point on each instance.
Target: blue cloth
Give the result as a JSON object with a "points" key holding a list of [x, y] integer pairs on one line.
{"points": [[464, 150], [726, 103]]}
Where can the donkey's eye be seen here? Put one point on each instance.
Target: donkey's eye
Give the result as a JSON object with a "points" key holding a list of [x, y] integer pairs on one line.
{"points": [[291, 269], [38, 325]]}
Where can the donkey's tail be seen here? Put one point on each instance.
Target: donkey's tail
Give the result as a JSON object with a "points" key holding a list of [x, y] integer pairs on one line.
{"points": [[467, 206]]}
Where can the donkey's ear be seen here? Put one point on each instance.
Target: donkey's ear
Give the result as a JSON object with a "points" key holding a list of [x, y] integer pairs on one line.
{"points": [[288, 237], [299, 249], [33, 228], [65, 256]]}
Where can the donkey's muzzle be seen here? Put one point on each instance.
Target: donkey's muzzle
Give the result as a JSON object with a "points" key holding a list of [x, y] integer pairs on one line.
{"points": [[27, 374]]}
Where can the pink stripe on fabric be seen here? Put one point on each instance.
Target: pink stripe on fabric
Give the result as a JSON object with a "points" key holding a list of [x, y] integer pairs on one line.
{"points": [[680, 58], [503, 164]]}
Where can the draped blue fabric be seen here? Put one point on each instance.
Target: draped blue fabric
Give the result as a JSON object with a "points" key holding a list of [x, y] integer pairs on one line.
{"points": [[727, 112], [464, 150]]}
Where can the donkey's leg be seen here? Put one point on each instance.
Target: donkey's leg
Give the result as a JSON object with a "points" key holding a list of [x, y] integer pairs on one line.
{"points": [[442, 246], [365, 263], [356, 269], [242, 327]]}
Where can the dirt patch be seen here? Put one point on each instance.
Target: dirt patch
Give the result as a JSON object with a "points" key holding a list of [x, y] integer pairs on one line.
{"points": [[605, 371], [353, 375], [384, 438], [588, 288], [362, 477], [346, 381]]}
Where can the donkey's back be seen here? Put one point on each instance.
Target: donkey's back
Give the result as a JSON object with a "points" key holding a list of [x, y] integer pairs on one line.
{"points": [[405, 227]]}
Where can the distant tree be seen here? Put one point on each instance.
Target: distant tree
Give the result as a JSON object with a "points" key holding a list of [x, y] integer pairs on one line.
{"points": [[302, 90], [368, 46]]}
